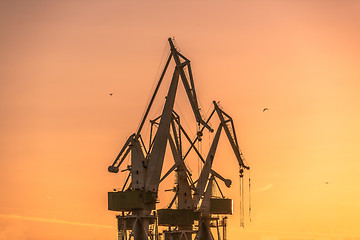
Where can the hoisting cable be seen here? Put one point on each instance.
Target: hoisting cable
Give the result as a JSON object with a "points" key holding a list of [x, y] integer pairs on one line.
{"points": [[147, 109], [241, 198], [249, 198], [199, 147], [176, 44]]}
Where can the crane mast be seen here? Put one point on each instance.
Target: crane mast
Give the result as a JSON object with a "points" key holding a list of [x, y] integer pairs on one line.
{"points": [[197, 210]]}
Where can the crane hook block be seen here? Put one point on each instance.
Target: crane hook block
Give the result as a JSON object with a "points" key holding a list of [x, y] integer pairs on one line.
{"points": [[113, 169], [199, 135]]}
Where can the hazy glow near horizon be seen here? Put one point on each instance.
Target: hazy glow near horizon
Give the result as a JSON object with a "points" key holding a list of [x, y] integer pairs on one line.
{"points": [[54, 220], [60, 128]]}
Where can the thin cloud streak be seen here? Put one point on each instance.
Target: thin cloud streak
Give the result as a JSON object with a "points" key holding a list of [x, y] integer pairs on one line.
{"points": [[263, 189], [54, 221], [302, 235]]}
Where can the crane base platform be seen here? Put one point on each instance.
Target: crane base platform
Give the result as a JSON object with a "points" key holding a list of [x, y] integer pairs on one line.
{"points": [[131, 200], [221, 206], [175, 217]]}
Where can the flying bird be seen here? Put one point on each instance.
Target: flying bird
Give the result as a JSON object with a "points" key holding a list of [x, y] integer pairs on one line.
{"points": [[110, 94], [265, 109]]}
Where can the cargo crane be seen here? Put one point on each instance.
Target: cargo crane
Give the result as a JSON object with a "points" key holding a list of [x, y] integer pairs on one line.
{"points": [[196, 208]]}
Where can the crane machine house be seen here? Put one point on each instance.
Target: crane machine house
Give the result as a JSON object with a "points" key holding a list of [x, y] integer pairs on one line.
{"points": [[193, 211]]}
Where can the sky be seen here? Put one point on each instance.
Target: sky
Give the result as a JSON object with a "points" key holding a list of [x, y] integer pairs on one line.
{"points": [[60, 129]]}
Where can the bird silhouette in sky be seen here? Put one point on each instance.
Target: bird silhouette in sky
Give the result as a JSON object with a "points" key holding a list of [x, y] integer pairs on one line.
{"points": [[265, 109], [110, 94]]}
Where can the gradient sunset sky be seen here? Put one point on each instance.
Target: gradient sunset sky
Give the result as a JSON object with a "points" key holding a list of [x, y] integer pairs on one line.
{"points": [[60, 129]]}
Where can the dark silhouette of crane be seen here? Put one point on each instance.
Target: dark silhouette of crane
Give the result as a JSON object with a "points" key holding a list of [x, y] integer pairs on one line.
{"points": [[196, 208]]}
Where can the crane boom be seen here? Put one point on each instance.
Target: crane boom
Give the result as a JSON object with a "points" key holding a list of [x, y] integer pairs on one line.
{"points": [[206, 170], [231, 136], [189, 91], [156, 156]]}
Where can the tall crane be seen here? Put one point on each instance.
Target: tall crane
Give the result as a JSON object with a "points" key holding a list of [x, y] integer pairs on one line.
{"points": [[136, 201]]}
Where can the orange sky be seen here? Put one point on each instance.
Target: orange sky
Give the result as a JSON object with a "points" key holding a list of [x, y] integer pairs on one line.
{"points": [[60, 129]]}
